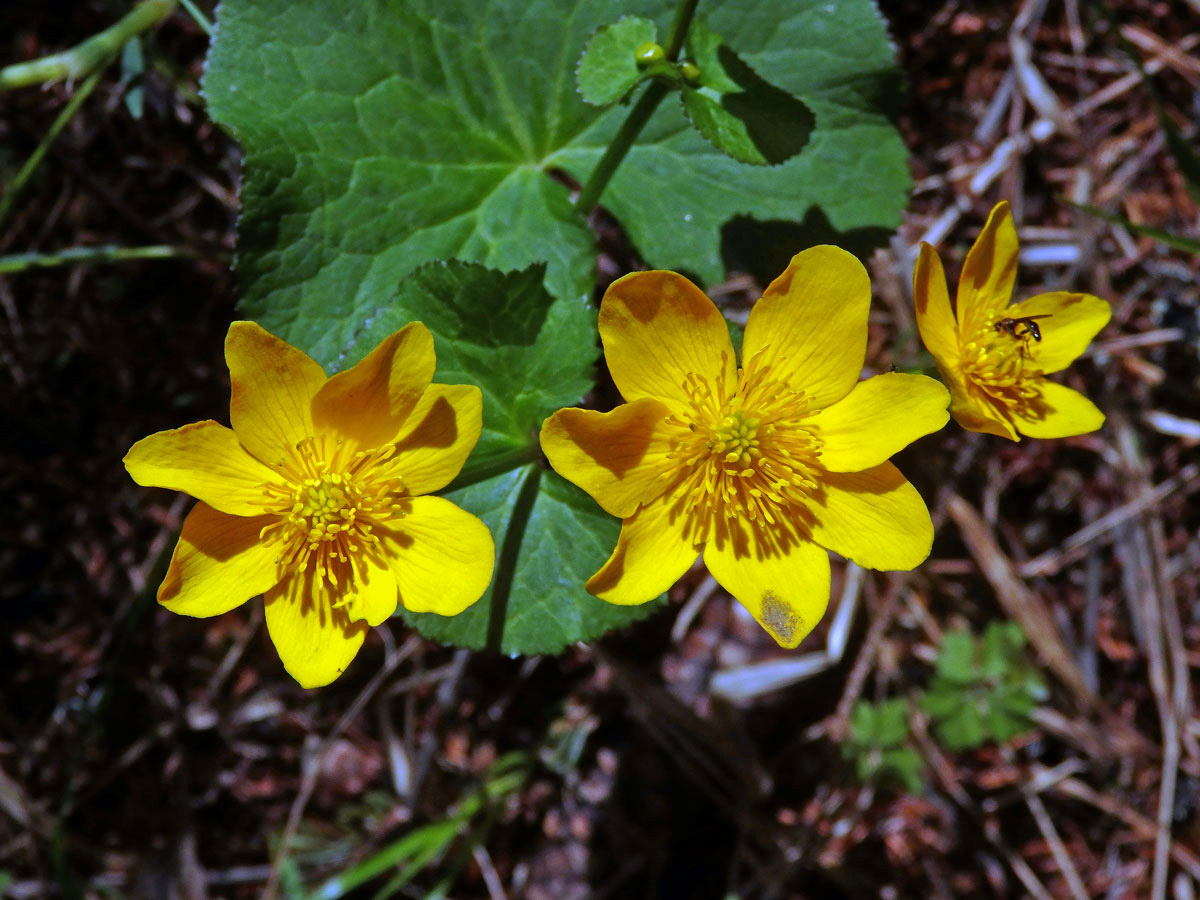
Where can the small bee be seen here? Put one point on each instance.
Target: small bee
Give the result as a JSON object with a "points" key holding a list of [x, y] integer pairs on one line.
{"points": [[1031, 327]]}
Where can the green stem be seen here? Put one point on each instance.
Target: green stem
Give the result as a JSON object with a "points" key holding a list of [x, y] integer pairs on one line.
{"points": [[35, 159], [621, 143], [20, 262], [679, 28], [197, 16], [92, 54]]}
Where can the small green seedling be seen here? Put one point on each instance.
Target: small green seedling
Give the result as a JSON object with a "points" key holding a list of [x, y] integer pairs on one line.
{"points": [[878, 744], [982, 690]]}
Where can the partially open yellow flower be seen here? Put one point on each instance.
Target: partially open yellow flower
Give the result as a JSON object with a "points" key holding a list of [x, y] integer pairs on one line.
{"points": [[759, 467], [313, 498], [995, 357]]}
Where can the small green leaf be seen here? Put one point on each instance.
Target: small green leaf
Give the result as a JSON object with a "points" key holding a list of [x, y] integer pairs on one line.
{"points": [[956, 660], [942, 699], [962, 731], [904, 764], [609, 65], [133, 68], [529, 354], [1003, 725], [864, 724], [739, 113], [1001, 649], [893, 722]]}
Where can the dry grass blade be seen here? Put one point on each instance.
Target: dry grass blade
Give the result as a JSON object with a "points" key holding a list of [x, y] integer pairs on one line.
{"points": [[1018, 601]]}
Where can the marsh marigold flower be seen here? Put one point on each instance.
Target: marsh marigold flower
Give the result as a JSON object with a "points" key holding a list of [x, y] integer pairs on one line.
{"points": [[761, 467], [995, 357], [314, 497]]}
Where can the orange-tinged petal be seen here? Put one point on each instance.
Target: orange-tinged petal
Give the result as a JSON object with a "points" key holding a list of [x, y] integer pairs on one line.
{"points": [[374, 592], [440, 555], [218, 564], [935, 319], [1062, 412], [206, 460], [988, 275], [786, 592], [810, 327], [1074, 319], [875, 518], [369, 402], [971, 408], [657, 328], [880, 417], [652, 552], [315, 643], [438, 436], [617, 456], [272, 388]]}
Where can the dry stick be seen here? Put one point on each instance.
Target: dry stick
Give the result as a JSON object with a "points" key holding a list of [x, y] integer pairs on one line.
{"points": [[944, 773], [308, 776], [1018, 601], [1073, 548], [1057, 849], [866, 659], [1042, 129], [1154, 621], [1142, 828], [1035, 619]]}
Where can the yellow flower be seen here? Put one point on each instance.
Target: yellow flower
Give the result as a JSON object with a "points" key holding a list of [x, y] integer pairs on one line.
{"points": [[995, 357], [313, 498], [762, 467]]}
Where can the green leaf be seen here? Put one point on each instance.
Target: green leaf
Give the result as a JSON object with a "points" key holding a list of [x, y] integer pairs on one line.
{"points": [[943, 698], [905, 765], [1003, 725], [739, 113], [530, 355], [608, 68], [962, 731], [956, 659], [1001, 649], [893, 722], [379, 136], [673, 194], [864, 724]]}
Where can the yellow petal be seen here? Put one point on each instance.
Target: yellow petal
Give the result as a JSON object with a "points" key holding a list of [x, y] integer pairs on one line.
{"points": [[374, 594], [617, 456], [218, 564], [973, 409], [652, 552], [315, 643], [810, 327], [1061, 412], [205, 460], [880, 417], [272, 387], [369, 402], [875, 518], [440, 555], [438, 436], [786, 592], [657, 327], [1074, 319], [986, 283], [935, 319]]}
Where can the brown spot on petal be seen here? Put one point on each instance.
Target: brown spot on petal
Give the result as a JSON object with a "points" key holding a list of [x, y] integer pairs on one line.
{"points": [[779, 618]]}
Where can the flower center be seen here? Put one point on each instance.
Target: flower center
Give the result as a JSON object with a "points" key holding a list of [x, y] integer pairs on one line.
{"points": [[330, 507], [998, 363], [749, 456]]}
